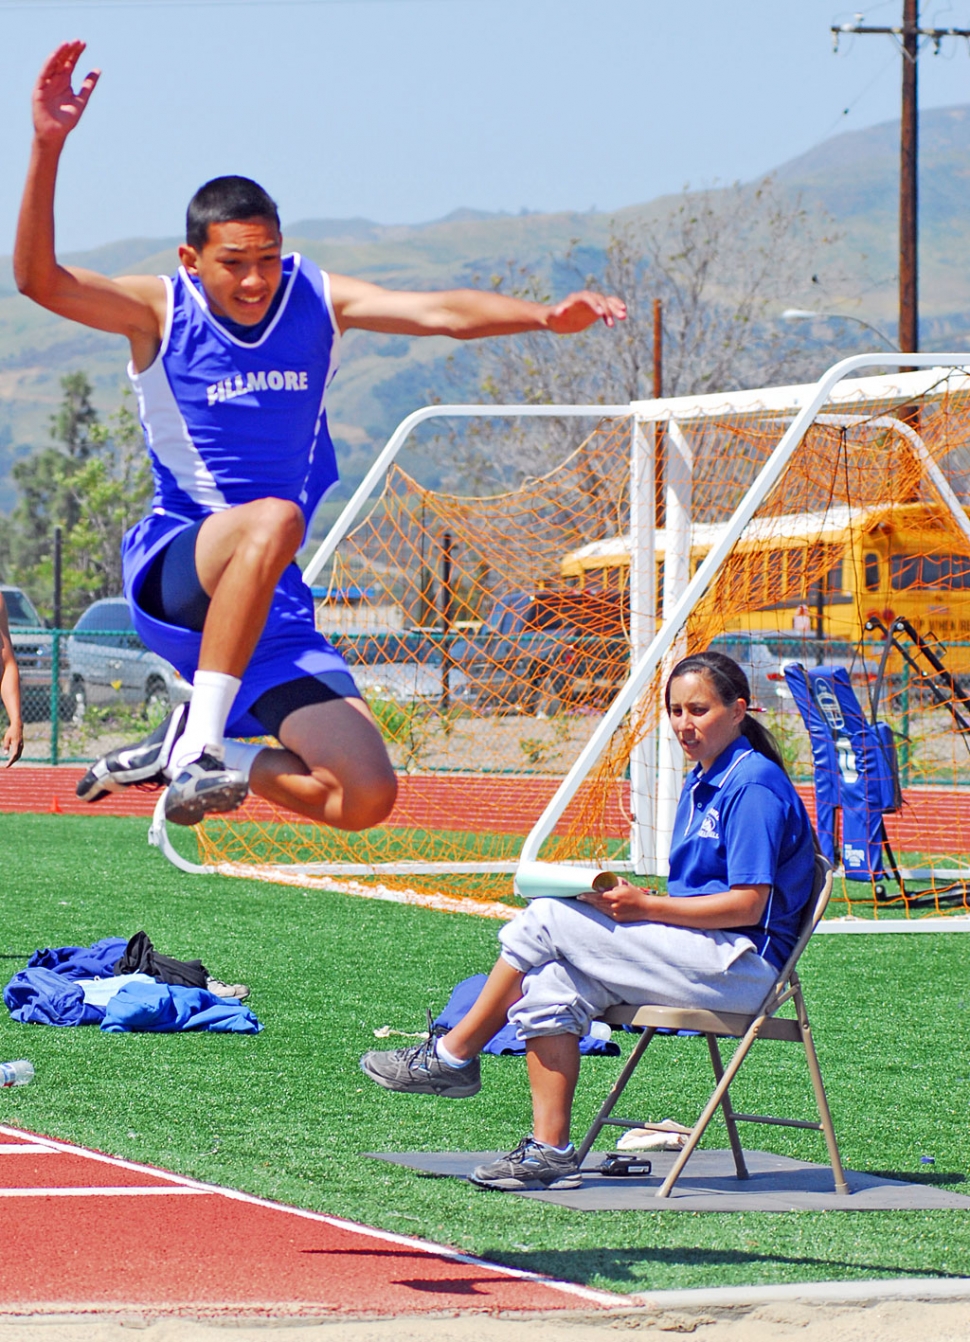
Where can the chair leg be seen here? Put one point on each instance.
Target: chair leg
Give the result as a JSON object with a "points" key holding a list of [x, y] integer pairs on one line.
{"points": [[727, 1109], [740, 1053], [815, 1072], [618, 1087]]}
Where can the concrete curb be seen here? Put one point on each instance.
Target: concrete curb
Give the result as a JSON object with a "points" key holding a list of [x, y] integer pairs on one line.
{"points": [[817, 1292]]}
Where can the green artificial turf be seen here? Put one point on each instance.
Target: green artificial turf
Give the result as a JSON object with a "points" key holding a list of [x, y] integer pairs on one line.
{"points": [[285, 1114]]}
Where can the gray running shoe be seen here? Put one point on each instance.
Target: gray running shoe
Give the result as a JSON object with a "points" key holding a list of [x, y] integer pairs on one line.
{"points": [[420, 1071], [238, 990], [531, 1166], [202, 786], [144, 762]]}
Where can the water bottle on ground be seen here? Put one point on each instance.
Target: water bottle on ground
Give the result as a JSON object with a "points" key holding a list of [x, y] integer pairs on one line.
{"points": [[16, 1073]]}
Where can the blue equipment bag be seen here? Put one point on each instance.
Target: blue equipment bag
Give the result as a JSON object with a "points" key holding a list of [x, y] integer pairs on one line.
{"points": [[854, 764]]}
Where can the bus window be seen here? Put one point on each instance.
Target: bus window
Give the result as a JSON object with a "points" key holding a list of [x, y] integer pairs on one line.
{"points": [[757, 593], [828, 558], [939, 571], [796, 573], [872, 572]]}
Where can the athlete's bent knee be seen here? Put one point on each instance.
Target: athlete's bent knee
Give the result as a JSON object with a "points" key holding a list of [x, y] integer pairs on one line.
{"points": [[276, 526], [369, 804]]}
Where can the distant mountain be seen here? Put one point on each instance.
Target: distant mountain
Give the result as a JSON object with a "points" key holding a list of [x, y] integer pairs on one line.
{"points": [[853, 176]]}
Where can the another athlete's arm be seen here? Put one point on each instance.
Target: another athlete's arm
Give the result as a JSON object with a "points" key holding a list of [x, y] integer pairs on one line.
{"points": [[133, 306], [13, 737], [465, 314]]}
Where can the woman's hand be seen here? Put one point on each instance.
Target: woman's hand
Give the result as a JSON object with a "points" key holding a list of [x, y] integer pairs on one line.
{"points": [[741, 906], [624, 903]]}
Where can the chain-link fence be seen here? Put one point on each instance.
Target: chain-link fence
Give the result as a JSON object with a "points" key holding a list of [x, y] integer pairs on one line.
{"points": [[85, 691]]}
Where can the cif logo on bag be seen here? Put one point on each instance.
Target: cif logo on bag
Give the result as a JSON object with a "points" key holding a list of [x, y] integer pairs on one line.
{"points": [[829, 708]]}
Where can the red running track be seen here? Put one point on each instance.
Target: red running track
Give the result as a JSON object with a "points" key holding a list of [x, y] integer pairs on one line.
{"points": [[932, 819], [94, 1233]]}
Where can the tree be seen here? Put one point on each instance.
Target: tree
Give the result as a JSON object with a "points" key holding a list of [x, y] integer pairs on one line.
{"points": [[94, 485], [724, 262], [75, 424]]}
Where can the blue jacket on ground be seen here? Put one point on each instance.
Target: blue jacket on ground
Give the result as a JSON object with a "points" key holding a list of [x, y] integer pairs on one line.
{"points": [[164, 1007], [46, 993], [41, 996], [82, 962]]}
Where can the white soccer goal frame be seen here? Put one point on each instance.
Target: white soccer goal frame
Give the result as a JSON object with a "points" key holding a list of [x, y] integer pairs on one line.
{"points": [[807, 401], [650, 645], [158, 833]]}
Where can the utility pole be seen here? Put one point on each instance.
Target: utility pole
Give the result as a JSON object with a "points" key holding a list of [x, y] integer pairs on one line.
{"points": [[658, 429], [907, 37]]}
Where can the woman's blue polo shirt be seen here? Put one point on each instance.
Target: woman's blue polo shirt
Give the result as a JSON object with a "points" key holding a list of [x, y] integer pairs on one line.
{"points": [[742, 823]]}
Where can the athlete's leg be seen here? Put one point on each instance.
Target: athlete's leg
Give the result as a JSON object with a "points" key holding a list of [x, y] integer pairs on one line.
{"points": [[334, 768], [240, 555]]}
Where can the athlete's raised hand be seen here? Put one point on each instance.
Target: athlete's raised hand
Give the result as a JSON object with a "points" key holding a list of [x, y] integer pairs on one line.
{"points": [[580, 310], [57, 108]]}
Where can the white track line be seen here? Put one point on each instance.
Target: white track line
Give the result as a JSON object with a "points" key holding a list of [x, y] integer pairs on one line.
{"points": [[351, 1227], [26, 1148], [102, 1191]]}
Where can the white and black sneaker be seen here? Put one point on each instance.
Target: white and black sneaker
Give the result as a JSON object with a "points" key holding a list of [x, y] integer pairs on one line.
{"points": [[204, 785], [144, 762]]}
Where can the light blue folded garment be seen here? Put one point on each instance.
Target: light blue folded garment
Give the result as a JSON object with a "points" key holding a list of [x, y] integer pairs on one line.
{"points": [[163, 1007], [99, 992]]}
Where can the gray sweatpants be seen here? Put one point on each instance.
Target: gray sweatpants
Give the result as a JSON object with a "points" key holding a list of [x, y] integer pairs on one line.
{"points": [[577, 962]]}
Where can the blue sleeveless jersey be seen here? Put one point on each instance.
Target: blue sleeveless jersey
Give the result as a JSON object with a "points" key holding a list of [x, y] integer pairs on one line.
{"points": [[227, 422]]}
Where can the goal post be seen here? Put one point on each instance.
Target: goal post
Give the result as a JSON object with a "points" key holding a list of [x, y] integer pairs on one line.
{"points": [[652, 753], [513, 647]]}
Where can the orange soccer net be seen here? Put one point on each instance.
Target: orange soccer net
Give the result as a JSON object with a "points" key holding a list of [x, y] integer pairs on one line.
{"points": [[489, 636]]}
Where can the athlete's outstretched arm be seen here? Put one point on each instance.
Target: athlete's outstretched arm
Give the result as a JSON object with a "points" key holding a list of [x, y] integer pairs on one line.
{"points": [[133, 306], [466, 314]]}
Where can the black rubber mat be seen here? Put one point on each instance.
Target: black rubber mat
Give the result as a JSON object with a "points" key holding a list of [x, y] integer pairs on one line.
{"points": [[709, 1184]]}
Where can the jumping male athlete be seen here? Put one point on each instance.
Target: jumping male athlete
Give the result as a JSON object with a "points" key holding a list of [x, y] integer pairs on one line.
{"points": [[230, 361]]}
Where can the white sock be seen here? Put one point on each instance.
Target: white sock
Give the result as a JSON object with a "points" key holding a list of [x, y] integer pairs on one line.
{"points": [[449, 1058], [559, 1150], [240, 755], [212, 696]]}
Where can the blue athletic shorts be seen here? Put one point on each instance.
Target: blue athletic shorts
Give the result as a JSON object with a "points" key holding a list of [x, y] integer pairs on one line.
{"points": [[290, 650]]}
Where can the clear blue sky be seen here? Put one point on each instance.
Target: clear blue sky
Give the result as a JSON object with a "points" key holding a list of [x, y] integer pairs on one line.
{"points": [[403, 110]]}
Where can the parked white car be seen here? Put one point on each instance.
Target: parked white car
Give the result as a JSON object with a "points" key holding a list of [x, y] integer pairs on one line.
{"points": [[33, 651], [108, 663]]}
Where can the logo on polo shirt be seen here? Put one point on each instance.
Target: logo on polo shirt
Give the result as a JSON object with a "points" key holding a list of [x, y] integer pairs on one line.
{"points": [[708, 829], [266, 379]]}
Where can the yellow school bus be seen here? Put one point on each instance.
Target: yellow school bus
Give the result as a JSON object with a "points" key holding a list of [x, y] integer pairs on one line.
{"points": [[824, 574]]}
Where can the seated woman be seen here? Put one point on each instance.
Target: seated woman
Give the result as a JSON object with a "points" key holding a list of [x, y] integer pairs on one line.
{"points": [[741, 872]]}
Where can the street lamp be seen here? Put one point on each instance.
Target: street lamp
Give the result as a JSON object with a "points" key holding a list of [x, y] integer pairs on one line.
{"points": [[806, 314]]}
